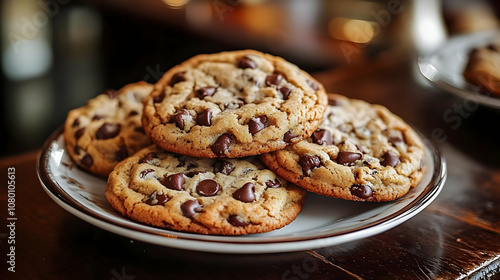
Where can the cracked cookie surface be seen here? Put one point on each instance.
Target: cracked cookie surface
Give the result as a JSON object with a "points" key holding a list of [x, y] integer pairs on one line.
{"points": [[107, 129], [233, 104], [202, 195], [360, 152]]}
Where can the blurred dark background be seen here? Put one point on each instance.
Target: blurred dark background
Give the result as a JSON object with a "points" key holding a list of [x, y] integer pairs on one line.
{"points": [[57, 54]]}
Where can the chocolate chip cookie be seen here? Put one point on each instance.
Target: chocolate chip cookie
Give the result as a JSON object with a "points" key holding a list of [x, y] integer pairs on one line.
{"points": [[483, 67], [360, 152], [202, 195], [233, 104], [107, 129]]}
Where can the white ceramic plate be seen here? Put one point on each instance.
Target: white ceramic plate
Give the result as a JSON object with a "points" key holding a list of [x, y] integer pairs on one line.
{"points": [[323, 221], [444, 67]]}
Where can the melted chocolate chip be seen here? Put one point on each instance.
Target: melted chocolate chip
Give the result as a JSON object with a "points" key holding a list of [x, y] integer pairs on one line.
{"points": [[361, 191], [76, 122], [190, 208], [191, 174], [246, 62], [205, 91], [111, 93], [395, 140], [322, 137], [237, 221], [145, 173], [308, 163], [285, 92], [223, 166], [204, 118], [273, 79], [257, 124], [157, 199], [174, 182], [178, 77], [273, 184], [222, 145], [97, 117], [312, 84], [178, 118], [208, 188], [245, 193], [348, 158], [140, 129], [79, 133], [122, 153], [289, 137], [148, 157], [389, 159], [159, 98], [133, 113], [107, 131], [87, 161]]}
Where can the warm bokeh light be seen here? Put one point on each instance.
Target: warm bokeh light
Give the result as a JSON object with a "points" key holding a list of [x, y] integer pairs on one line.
{"points": [[176, 4], [353, 30]]}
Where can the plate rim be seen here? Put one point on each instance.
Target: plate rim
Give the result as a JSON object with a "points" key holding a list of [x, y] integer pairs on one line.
{"points": [[179, 240], [471, 92]]}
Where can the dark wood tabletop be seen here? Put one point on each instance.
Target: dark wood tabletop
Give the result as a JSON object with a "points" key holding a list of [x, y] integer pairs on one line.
{"points": [[455, 237]]}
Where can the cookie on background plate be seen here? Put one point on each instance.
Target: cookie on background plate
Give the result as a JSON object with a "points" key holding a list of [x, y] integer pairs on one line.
{"points": [[107, 129], [360, 152], [233, 104], [483, 67], [202, 195]]}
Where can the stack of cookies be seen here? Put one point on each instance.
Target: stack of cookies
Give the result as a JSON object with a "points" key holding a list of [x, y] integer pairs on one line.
{"points": [[230, 143]]}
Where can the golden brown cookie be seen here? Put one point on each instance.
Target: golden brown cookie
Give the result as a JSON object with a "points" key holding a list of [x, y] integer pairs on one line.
{"points": [[233, 104], [107, 129], [483, 67], [360, 152], [202, 195]]}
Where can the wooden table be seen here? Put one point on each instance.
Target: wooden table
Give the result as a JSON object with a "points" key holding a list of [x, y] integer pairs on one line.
{"points": [[456, 237]]}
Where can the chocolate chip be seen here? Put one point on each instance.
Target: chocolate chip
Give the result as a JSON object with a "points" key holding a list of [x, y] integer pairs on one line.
{"points": [[285, 92], [334, 102], [208, 188], [148, 157], [246, 62], [107, 131], [312, 84], [79, 133], [308, 162], [111, 93], [273, 79], [159, 98], [389, 159], [322, 137], [223, 166], [122, 153], [361, 191], [348, 158], [178, 118], [133, 113], [190, 208], [144, 173], [222, 145], [236, 221], [177, 77], [174, 182], [97, 117], [87, 161], [205, 91], [76, 122], [257, 124], [273, 184], [204, 118], [157, 199], [191, 174], [492, 47], [77, 149], [245, 193], [289, 137], [395, 140]]}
